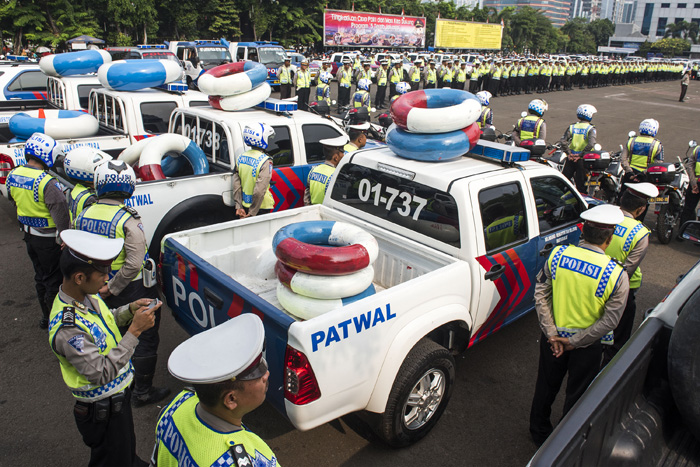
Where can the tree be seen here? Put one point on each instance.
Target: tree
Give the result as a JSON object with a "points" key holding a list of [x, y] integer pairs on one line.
{"points": [[671, 47], [580, 39], [601, 29]]}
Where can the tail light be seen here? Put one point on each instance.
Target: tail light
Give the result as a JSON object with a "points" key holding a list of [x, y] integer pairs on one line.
{"points": [[6, 165], [300, 385]]}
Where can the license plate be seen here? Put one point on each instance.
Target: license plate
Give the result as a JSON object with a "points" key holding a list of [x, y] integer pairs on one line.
{"points": [[593, 183], [659, 200], [275, 82]]}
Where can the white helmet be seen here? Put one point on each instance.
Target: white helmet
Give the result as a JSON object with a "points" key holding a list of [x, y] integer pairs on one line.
{"points": [[80, 163], [586, 112], [539, 106], [484, 97], [364, 84], [114, 178], [403, 87], [325, 77], [44, 148], [649, 127], [258, 135]]}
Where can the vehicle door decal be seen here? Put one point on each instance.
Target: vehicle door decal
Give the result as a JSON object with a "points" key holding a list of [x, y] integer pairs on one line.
{"points": [[289, 185]]}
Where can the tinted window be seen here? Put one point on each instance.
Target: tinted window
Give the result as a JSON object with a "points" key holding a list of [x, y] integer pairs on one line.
{"points": [[155, 116], [503, 216], [118, 54], [556, 202], [29, 81], [404, 202], [312, 135], [280, 148], [240, 53], [682, 5], [210, 137], [84, 93], [665, 5]]}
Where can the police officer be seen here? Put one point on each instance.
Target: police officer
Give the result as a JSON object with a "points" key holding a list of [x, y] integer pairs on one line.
{"points": [[581, 137], [364, 73], [430, 76], [285, 74], [629, 247], [344, 77], [414, 75], [692, 194], [358, 137], [320, 176], [395, 77], [474, 77], [486, 117], [205, 426], [42, 213], [79, 165], [361, 98], [639, 152], [251, 179], [446, 73], [533, 125], [382, 80], [323, 90], [460, 76], [401, 89], [579, 296], [94, 356], [303, 85], [109, 217]]}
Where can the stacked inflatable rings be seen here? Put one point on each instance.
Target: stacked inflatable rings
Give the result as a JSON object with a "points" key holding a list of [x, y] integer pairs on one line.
{"points": [[435, 110], [323, 265], [149, 153], [302, 246], [438, 147], [235, 86], [55, 123], [74, 63], [132, 75]]}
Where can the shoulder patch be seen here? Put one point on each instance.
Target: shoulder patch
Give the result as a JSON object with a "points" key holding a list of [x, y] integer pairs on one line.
{"points": [[132, 211], [68, 316], [77, 342]]}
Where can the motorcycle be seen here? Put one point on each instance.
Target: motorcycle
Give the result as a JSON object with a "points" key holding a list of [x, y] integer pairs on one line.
{"points": [[672, 181], [556, 157], [355, 115], [604, 174]]}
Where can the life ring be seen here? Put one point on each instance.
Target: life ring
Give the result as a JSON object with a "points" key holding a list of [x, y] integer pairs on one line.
{"points": [[309, 308], [432, 147], [131, 154], [232, 78], [302, 246], [435, 110], [152, 153], [241, 101], [59, 124], [74, 63], [324, 287], [132, 75]]}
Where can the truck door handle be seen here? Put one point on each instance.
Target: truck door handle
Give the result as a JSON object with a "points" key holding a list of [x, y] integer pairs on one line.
{"points": [[495, 272], [547, 248], [212, 298]]}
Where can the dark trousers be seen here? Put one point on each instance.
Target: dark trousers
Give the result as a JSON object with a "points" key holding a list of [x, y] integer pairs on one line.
{"points": [[379, 96], [148, 340], [458, 85], [578, 171], [303, 98], [691, 202], [45, 255], [112, 441], [474, 86], [285, 91], [684, 89], [343, 96], [582, 365], [623, 331]]}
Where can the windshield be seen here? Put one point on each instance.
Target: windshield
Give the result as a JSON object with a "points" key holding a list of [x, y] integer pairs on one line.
{"points": [[270, 55], [214, 54], [159, 56]]}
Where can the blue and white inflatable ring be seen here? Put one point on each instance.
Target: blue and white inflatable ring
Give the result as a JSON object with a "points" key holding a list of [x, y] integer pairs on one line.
{"points": [[58, 124], [74, 63], [231, 79], [132, 75], [438, 147]]}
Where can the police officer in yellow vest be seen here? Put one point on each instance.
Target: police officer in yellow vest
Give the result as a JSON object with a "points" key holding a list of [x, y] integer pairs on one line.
{"points": [[692, 194], [430, 76], [486, 117], [460, 75], [285, 74], [581, 137], [358, 137], [302, 80], [320, 176], [414, 75], [344, 78], [629, 247], [395, 77], [42, 213], [251, 179], [95, 358], [79, 165], [579, 296], [131, 275], [639, 152], [205, 426], [532, 126], [382, 81]]}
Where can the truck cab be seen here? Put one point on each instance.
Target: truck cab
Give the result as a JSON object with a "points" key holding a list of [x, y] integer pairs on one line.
{"points": [[270, 54], [197, 57], [22, 81], [142, 52]]}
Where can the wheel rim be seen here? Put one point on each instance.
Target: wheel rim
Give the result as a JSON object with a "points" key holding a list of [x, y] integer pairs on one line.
{"points": [[424, 399]]}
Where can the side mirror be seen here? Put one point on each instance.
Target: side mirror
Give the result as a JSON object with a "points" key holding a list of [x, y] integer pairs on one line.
{"points": [[333, 102], [373, 109], [692, 143], [690, 231], [631, 133], [597, 147]]}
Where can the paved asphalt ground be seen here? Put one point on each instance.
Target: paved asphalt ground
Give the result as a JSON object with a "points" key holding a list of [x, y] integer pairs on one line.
{"points": [[486, 421]]}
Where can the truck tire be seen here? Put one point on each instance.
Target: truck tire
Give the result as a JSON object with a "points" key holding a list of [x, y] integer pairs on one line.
{"points": [[420, 393], [684, 363]]}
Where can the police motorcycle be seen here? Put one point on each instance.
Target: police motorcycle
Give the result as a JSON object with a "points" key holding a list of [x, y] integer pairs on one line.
{"points": [[599, 182], [350, 115], [672, 180]]}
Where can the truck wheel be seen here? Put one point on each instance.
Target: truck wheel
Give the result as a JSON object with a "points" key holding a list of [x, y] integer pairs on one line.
{"points": [[419, 396], [665, 222]]}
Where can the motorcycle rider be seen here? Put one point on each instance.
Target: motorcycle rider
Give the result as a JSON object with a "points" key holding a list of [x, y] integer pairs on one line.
{"points": [[581, 137], [533, 125], [486, 117], [401, 88], [639, 152], [361, 97], [692, 194]]}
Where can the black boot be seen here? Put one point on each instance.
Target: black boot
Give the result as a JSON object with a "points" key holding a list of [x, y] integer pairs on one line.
{"points": [[144, 392]]}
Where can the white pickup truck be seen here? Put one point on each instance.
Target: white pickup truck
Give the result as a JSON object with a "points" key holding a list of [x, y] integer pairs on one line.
{"points": [[460, 244]]}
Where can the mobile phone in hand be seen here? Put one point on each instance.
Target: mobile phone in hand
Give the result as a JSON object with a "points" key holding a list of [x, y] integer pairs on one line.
{"points": [[153, 303]]}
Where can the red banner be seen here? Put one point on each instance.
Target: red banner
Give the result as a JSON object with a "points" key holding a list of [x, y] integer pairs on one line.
{"points": [[357, 29]]}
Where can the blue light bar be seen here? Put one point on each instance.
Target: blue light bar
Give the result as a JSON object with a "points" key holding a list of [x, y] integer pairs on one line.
{"points": [[173, 87], [500, 152], [207, 42], [278, 105], [151, 46], [18, 58]]}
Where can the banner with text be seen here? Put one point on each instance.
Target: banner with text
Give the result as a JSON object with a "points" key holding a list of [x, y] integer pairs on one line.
{"points": [[451, 34], [357, 29]]}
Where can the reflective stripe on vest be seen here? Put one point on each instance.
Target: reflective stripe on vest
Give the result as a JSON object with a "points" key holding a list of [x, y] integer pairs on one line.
{"points": [[579, 136], [76, 200], [627, 234], [249, 164], [530, 127], [582, 282], [26, 186], [323, 91], [102, 330], [485, 117], [184, 440], [643, 150], [361, 99], [319, 178]]}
